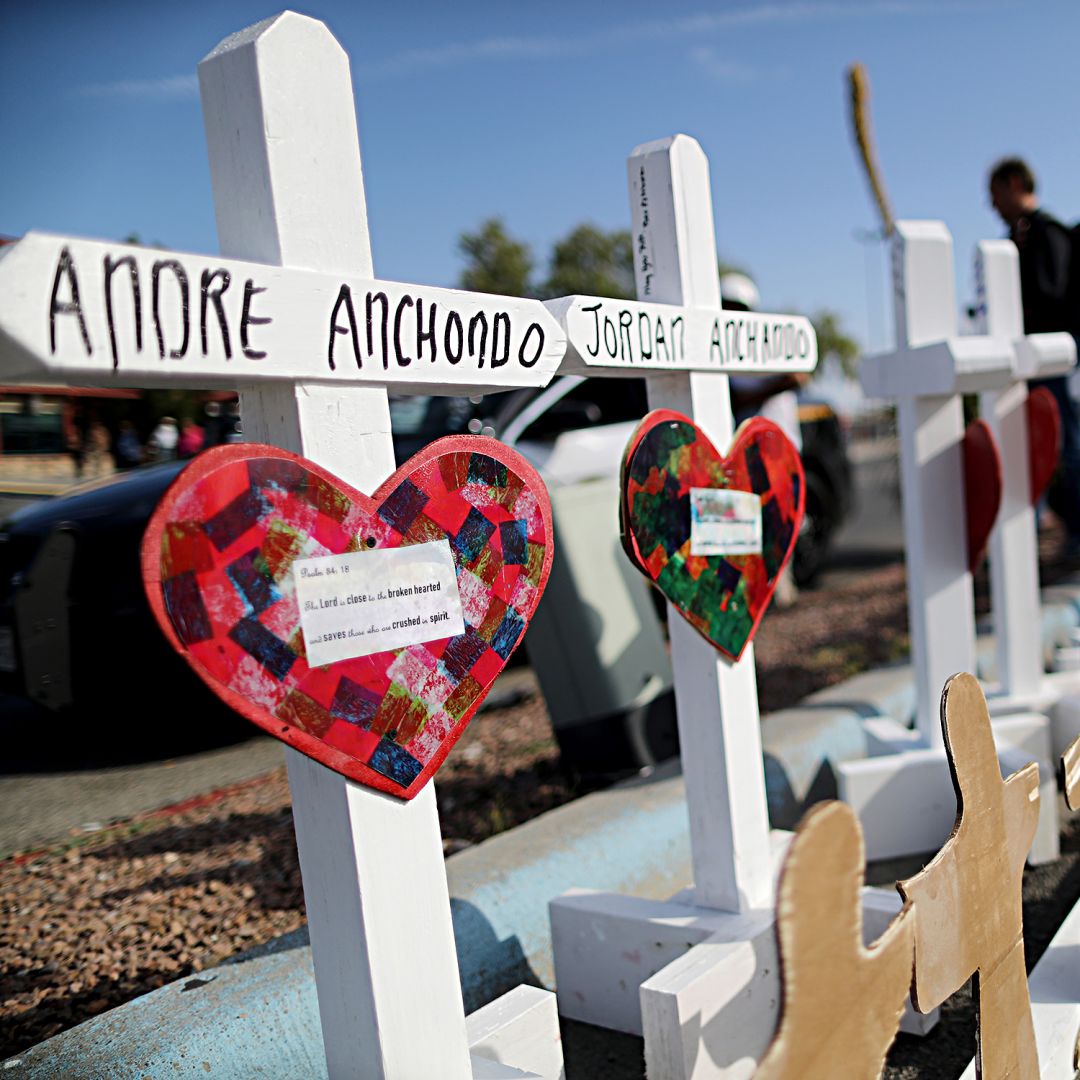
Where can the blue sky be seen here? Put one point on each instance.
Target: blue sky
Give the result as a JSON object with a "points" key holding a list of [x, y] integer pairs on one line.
{"points": [[529, 111]]}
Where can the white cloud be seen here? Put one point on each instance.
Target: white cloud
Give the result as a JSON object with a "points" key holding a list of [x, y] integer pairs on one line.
{"points": [[716, 67], [170, 88], [688, 26]]}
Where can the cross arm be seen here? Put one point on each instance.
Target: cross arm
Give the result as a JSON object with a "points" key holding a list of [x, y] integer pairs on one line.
{"points": [[629, 337], [955, 365], [1041, 356], [95, 313]]}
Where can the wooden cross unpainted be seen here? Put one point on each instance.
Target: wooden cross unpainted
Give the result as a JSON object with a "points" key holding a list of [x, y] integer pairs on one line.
{"points": [[842, 1001], [967, 900]]}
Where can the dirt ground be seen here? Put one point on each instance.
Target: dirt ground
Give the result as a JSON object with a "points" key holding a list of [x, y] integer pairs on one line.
{"points": [[103, 917]]}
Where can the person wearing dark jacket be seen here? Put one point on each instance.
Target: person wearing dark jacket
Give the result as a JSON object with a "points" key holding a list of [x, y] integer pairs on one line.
{"points": [[1045, 247]]}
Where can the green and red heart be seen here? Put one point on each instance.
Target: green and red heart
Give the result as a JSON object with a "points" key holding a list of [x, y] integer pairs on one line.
{"points": [[722, 596], [218, 560]]}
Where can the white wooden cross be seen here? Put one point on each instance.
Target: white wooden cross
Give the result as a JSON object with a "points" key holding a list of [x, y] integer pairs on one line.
{"points": [[311, 349], [902, 794], [606, 945], [1014, 553], [928, 372]]}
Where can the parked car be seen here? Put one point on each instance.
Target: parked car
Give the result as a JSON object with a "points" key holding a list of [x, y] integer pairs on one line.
{"points": [[577, 428], [75, 627]]}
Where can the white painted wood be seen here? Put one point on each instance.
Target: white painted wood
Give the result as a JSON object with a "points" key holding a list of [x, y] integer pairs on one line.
{"points": [[711, 1013], [485, 1068], [372, 866], [941, 598], [675, 263], [1054, 985], [999, 313], [517, 1028], [624, 337], [905, 799], [276, 98], [606, 945], [1014, 552], [201, 320], [928, 370], [1013, 543], [610, 945]]}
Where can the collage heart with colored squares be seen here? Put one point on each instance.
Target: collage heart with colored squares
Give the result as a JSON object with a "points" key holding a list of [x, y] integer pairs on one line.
{"points": [[722, 596], [217, 562]]}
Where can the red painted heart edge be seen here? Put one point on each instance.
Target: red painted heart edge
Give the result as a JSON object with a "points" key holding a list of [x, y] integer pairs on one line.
{"points": [[979, 439], [211, 460], [747, 430]]}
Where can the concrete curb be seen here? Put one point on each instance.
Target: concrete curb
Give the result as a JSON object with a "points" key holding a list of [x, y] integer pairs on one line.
{"points": [[258, 1015]]}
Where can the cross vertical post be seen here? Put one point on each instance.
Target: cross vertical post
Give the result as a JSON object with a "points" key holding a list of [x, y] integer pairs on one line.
{"points": [[288, 189], [716, 700], [940, 595], [897, 791], [1014, 574], [1014, 553]]}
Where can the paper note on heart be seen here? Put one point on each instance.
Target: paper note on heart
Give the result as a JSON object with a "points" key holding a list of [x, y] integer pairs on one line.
{"points": [[982, 488], [256, 556], [1044, 439], [689, 517]]}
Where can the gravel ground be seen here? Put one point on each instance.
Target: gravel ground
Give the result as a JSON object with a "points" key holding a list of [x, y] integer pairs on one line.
{"points": [[101, 918]]}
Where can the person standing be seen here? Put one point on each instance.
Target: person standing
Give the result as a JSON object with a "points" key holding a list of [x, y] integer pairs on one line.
{"points": [[1046, 290], [128, 450], [164, 439], [192, 438]]}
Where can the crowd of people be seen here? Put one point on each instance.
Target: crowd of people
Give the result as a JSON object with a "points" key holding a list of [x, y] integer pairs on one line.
{"points": [[97, 451]]}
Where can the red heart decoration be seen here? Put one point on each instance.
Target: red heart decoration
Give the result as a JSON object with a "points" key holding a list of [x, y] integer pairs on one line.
{"points": [[722, 596], [1044, 439], [982, 488], [217, 562]]}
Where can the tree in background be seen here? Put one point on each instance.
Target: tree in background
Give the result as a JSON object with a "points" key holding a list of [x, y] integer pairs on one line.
{"points": [[592, 262], [495, 263], [833, 341]]}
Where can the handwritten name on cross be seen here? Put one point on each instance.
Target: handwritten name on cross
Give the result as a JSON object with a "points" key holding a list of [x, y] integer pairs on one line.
{"points": [[1013, 544], [928, 372], [842, 1002], [623, 337], [968, 917], [114, 314]]}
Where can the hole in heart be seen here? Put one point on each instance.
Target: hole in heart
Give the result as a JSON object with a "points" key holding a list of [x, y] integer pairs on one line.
{"points": [[370, 541]]}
